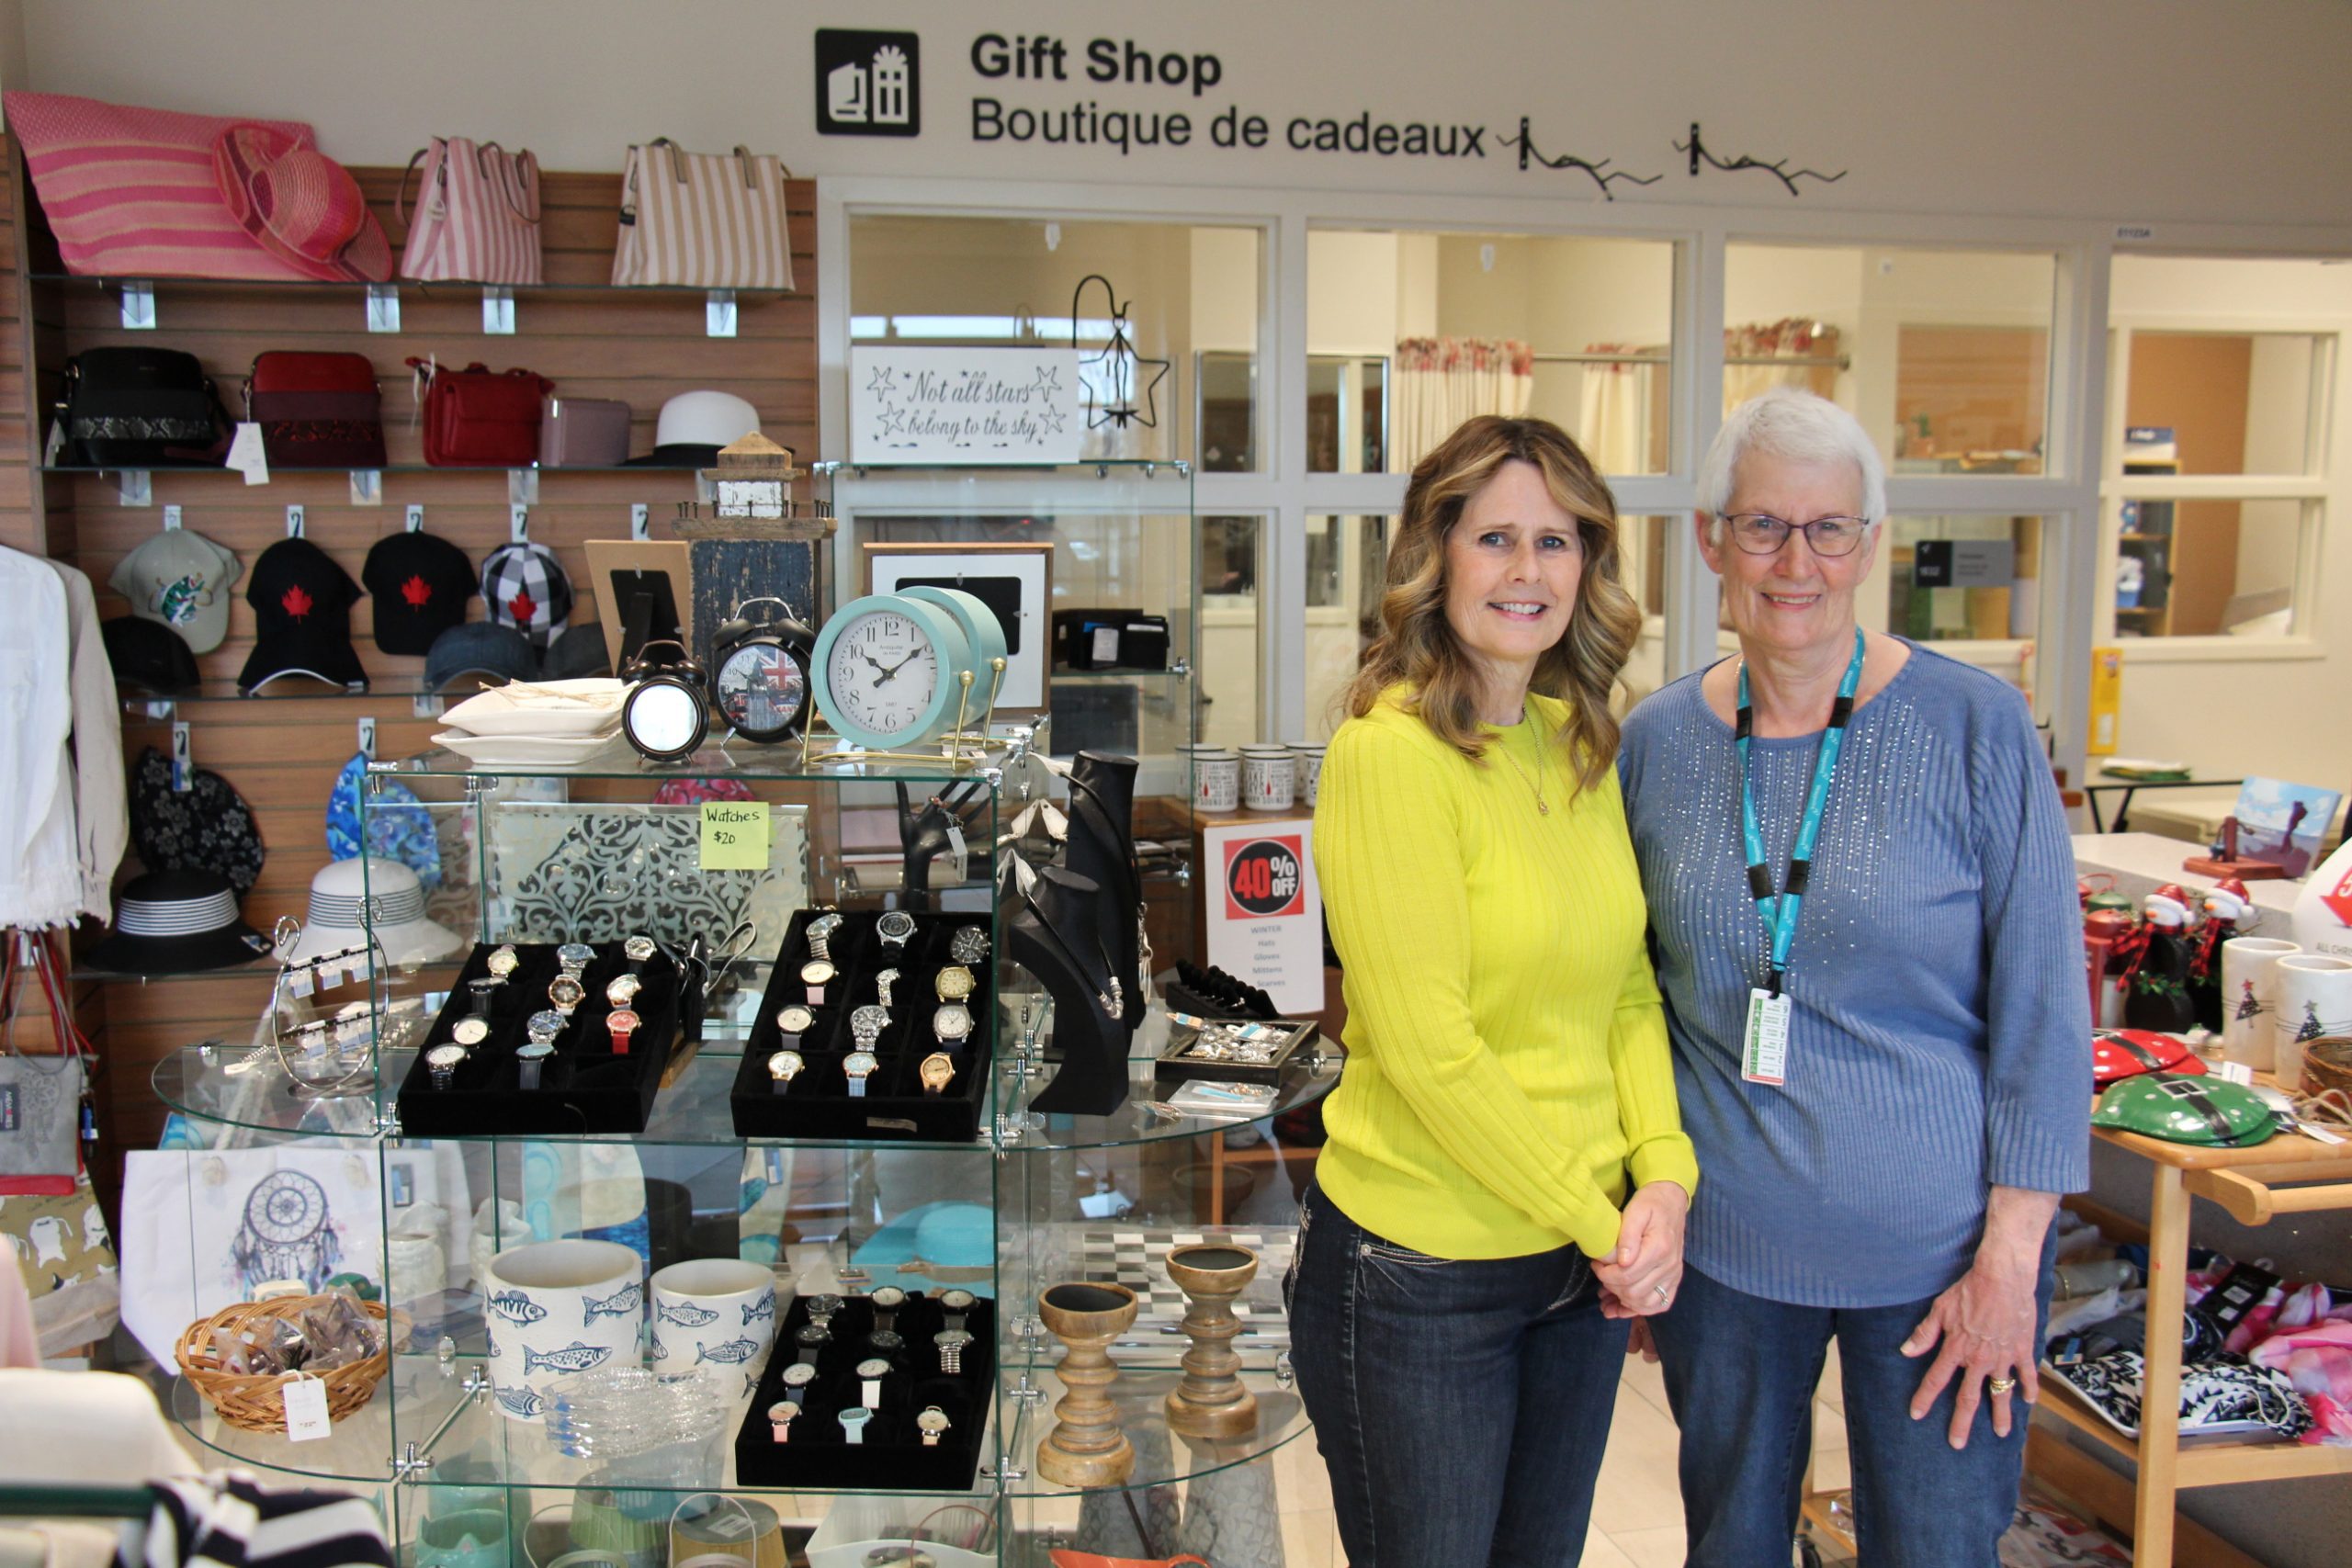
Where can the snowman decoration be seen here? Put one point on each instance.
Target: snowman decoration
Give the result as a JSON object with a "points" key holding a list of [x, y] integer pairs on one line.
{"points": [[2157, 981], [2229, 908]]}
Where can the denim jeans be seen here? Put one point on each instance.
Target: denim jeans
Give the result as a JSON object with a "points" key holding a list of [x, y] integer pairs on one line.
{"points": [[1740, 1374], [1461, 1405]]}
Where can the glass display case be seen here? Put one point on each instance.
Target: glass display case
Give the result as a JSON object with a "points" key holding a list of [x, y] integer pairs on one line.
{"points": [[523, 1260]]}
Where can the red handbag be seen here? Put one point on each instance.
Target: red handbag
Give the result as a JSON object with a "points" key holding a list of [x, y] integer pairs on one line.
{"points": [[316, 411], [479, 418], [2128, 1052]]}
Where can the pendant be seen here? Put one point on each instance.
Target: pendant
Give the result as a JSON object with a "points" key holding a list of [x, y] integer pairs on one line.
{"points": [[1543, 806]]}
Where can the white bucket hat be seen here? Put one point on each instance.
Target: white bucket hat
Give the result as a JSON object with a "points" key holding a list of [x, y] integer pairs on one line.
{"points": [[341, 895]]}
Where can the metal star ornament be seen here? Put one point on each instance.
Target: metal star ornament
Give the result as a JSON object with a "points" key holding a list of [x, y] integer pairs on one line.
{"points": [[1111, 376]]}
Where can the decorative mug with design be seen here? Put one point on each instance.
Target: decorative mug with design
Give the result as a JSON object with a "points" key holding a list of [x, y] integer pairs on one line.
{"points": [[556, 1308], [1310, 772], [713, 1311], [2315, 1000], [2250, 999], [1216, 777], [1269, 776]]}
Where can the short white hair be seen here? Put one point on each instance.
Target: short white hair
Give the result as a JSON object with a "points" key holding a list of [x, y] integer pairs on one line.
{"points": [[1789, 423]]}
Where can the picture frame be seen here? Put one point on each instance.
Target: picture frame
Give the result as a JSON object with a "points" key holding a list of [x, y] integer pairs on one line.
{"points": [[616, 566], [1014, 580]]}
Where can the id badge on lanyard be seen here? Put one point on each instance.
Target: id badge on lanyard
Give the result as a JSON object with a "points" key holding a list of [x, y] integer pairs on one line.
{"points": [[1764, 1037]]}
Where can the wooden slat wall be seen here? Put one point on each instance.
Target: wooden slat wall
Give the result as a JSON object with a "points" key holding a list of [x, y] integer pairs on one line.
{"points": [[282, 753]]}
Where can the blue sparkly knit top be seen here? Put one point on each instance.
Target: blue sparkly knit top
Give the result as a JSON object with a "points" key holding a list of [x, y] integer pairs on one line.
{"points": [[1939, 1027]]}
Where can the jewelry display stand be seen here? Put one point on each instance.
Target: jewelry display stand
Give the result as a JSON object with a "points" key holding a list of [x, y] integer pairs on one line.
{"points": [[1101, 847], [1210, 1400], [1086, 1446], [1057, 938]]}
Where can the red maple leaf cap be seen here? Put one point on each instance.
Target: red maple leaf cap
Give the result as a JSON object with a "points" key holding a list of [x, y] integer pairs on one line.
{"points": [[522, 606], [417, 591], [297, 602]]}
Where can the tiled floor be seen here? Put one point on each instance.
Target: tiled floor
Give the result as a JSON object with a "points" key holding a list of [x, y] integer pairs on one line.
{"points": [[1637, 1507]]}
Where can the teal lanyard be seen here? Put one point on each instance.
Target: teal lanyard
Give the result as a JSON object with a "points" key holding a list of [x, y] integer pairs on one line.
{"points": [[1780, 912]]}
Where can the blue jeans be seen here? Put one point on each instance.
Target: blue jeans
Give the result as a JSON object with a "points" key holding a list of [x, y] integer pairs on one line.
{"points": [[1461, 1405], [1740, 1374]]}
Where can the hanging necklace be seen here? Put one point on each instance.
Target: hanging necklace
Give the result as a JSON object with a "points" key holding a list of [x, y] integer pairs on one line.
{"points": [[1535, 783]]}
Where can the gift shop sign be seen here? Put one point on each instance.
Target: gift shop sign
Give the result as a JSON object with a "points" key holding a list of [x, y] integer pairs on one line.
{"points": [[1266, 921], [964, 405]]}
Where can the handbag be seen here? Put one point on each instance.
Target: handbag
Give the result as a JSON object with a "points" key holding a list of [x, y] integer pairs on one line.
{"points": [[316, 411], [480, 418], [66, 1258], [703, 219], [40, 1097], [140, 408], [477, 215], [584, 433]]}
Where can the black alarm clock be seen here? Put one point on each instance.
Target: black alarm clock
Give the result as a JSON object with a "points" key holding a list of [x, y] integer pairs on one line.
{"points": [[667, 714], [761, 673]]}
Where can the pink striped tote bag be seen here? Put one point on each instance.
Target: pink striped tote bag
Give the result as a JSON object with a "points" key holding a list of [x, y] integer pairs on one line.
{"points": [[477, 215], [703, 219]]}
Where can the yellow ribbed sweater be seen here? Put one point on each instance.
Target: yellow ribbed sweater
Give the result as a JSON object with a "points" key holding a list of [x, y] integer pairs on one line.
{"points": [[1508, 1060]]}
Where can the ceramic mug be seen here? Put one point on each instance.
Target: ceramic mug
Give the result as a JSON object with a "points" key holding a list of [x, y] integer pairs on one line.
{"points": [[714, 1311], [556, 1308], [474, 1538], [1269, 777], [1217, 778], [2250, 999], [2315, 999], [1310, 772]]}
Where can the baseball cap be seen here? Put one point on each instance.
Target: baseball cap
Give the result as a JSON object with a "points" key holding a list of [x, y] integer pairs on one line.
{"points": [[180, 580], [420, 583], [694, 426], [478, 647], [579, 652], [301, 602], [148, 656], [526, 588]]}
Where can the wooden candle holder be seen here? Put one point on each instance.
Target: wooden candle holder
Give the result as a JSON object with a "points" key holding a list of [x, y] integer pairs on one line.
{"points": [[1086, 1446], [1211, 1401]]}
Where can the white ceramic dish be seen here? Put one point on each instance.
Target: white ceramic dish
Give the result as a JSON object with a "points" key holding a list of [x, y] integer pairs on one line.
{"points": [[534, 750], [543, 708]]}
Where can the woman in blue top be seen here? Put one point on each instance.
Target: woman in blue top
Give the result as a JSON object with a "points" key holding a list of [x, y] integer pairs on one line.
{"points": [[1862, 899]]}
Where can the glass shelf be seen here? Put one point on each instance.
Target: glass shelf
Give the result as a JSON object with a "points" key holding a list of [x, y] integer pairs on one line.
{"points": [[1282, 1417], [464, 290], [358, 1449], [779, 764], [688, 470]]}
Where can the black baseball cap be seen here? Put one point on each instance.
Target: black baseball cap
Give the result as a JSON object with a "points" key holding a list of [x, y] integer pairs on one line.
{"points": [[301, 602], [578, 651], [420, 583], [148, 656], [479, 648]]}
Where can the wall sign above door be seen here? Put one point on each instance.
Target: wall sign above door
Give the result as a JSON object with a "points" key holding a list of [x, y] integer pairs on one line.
{"points": [[964, 405]]}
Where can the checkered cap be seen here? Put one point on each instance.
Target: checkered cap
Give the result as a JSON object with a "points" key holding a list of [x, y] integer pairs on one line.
{"points": [[526, 588]]}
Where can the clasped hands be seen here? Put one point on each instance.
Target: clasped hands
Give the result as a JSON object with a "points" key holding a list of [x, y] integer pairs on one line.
{"points": [[1641, 1276]]}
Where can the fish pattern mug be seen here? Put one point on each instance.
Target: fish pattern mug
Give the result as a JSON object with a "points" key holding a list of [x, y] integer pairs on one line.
{"points": [[713, 1311], [556, 1308]]}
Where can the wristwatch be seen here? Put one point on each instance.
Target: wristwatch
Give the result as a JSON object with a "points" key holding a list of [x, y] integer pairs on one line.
{"points": [[870, 1373], [623, 1022], [793, 1022], [545, 1025], [817, 974], [932, 1423], [886, 1342], [442, 1062], [968, 945], [782, 1068], [470, 1030], [950, 1343], [565, 992], [956, 1304], [797, 1379], [780, 1416], [481, 992], [809, 1335], [887, 1302], [575, 956], [882, 984], [640, 952], [503, 963], [821, 1310], [532, 1058], [894, 928], [859, 1066], [866, 1024], [854, 1422], [820, 934], [622, 990], [936, 1071], [953, 984], [952, 1024]]}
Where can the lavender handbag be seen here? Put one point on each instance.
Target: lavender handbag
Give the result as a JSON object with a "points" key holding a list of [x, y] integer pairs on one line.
{"points": [[584, 433]]}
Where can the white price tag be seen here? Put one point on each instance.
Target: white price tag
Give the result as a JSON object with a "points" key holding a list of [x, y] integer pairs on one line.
{"points": [[640, 521], [2233, 1072], [1764, 1046], [246, 456], [306, 1410], [2314, 1130], [518, 523], [416, 518], [56, 450], [170, 519], [300, 981], [1106, 645]]}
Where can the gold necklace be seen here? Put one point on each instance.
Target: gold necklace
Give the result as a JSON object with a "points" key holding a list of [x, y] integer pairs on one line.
{"points": [[1536, 784]]}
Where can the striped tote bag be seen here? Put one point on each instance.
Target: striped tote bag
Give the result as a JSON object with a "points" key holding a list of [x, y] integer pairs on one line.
{"points": [[703, 220], [476, 216]]}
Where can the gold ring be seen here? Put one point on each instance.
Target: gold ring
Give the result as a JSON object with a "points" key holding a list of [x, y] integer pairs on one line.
{"points": [[2001, 1386]]}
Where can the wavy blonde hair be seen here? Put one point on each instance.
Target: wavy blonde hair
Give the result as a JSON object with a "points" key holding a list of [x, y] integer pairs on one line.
{"points": [[1417, 645]]}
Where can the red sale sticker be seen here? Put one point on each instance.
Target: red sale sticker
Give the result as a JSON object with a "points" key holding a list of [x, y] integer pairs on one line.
{"points": [[1261, 878], [2340, 899]]}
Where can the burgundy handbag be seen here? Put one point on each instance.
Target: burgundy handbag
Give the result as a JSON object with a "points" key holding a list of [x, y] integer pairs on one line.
{"points": [[316, 411], [584, 433], [479, 418]]}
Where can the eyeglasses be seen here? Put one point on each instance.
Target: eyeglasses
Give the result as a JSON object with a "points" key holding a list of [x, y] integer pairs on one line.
{"points": [[1761, 534]]}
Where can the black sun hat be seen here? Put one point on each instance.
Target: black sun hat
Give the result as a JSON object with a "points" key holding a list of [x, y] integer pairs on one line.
{"points": [[301, 602], [177, 922]]}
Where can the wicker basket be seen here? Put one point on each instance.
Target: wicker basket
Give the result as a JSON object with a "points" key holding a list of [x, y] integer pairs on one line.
{"points": [[2327, 1063], [254, 1403]]}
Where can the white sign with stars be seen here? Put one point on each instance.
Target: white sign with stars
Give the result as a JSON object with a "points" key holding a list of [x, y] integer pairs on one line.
{"points": [[965, 405]]}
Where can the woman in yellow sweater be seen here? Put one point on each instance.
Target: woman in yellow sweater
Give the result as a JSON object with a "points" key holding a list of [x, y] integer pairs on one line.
{"points": [[1470, 1247]]}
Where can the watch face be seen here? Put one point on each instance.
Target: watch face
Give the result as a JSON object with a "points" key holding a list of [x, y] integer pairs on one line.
{"points": [[762, 690], [469, 1032], [813, 1334], [575, 956], [957, 1300], [952, 1339], [566, 992], [795, 1020], [953, 1021], [622, 990], [894, 927], [664, 718], [502, 962], [953, 984], [889, 1298], [860, 1063], [968, 945], [638, 949], [799, 1376], [550, 1023], [936, 1072], [886, 1340], [873, 1366], [821, 928], [883, 673], [783, 1410], [445, 1056], [816, 972], [785, 1065], [536, 1051], [933, 1419], [622, 1020]]}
